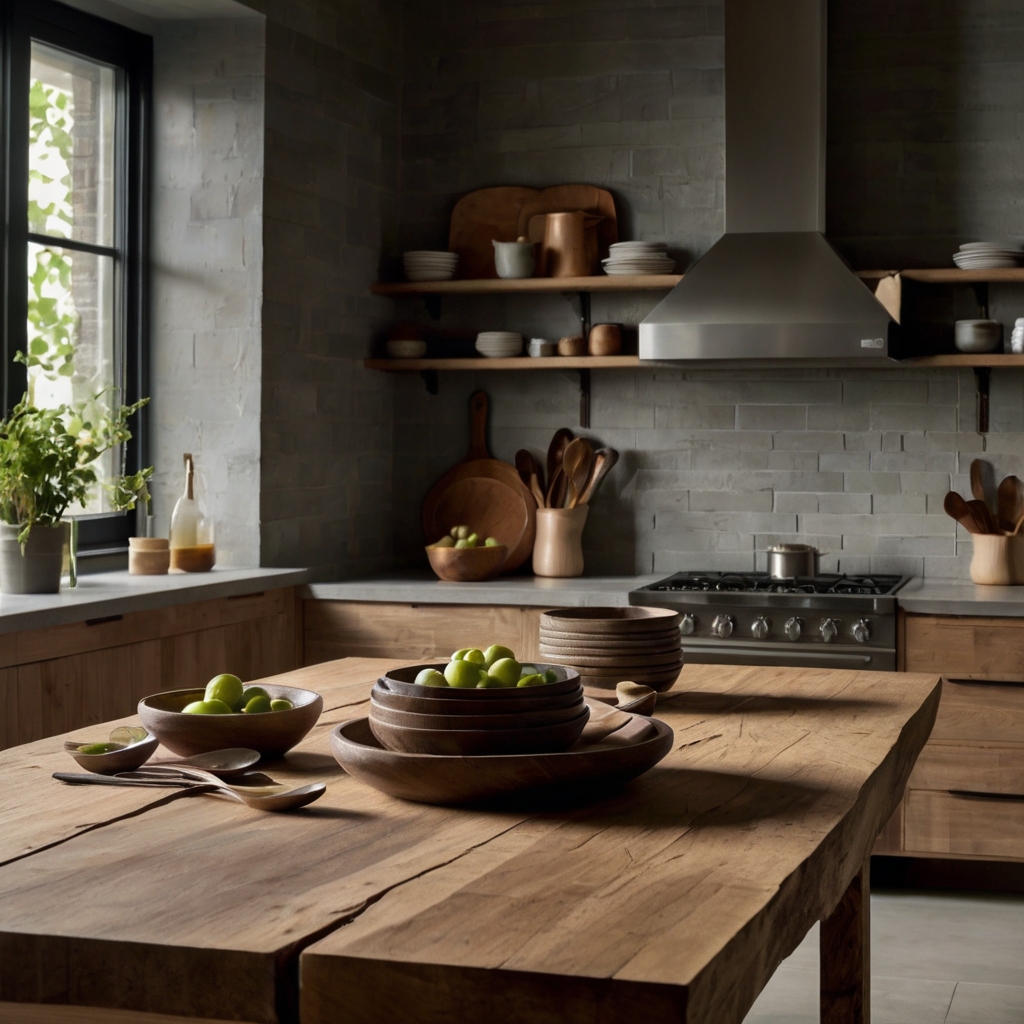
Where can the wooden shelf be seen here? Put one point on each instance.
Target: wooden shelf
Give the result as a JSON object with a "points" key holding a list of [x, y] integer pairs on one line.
{"points": [[494, 286], [949, 275], [515, 363]]}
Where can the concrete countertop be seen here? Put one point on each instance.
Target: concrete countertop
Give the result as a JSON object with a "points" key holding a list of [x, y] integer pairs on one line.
{"points": [[117, 593], [927, 597], [513, 590]]}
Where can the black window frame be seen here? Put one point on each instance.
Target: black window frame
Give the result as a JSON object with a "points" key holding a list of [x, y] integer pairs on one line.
{"points": [[65, 28]]}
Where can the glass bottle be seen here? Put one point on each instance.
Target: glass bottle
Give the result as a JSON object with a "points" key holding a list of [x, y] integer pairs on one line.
{"points": [[192, 547]]}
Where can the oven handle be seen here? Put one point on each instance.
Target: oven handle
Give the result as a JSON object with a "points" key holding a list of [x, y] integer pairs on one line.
{"points": [[729, 656]]}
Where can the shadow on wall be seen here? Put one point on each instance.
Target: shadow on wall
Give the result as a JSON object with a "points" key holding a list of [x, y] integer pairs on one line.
{"points": [[609, 540]]}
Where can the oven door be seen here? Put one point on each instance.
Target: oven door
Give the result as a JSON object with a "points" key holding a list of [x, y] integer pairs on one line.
{"points": [[724, 652]]}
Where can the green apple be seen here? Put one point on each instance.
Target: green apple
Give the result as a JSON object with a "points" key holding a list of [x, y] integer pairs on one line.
{"points": [[225, 687], [463, 544], [258, 705], [488, 682], [444, 542], [472, 540], [534, 680], [253, 691], [99, 748], [280, 704], [506, 670], [463, 674], [430, 677], [460, 532], [475, 655], [492, 542], [495, 653], [206, 707], [550, 676]]}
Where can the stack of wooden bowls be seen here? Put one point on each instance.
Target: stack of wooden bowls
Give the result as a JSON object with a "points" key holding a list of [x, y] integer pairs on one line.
{"points": [[609, 645], [414, 719]]}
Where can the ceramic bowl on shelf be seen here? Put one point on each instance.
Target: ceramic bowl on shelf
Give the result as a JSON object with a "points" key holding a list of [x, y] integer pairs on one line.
{"points": [[272, 733], [405, 348], [978, 335]]}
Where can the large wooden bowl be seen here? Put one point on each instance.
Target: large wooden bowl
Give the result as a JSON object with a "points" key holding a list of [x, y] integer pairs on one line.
{"points": [[633, 620], [272, 733], [542, 739], [515, 704], [430, 779], [467, 565], [519, 719], [400, 680], [604, 642]]}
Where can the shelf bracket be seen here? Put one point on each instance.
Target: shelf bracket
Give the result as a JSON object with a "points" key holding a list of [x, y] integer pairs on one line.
{"points": [[981, 297], [585, 399], [983, 378], [430, 381], [580, 301], [432, 301]]}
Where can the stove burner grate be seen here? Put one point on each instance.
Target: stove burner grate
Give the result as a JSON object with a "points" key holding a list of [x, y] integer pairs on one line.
{"points": [[760, 582]]}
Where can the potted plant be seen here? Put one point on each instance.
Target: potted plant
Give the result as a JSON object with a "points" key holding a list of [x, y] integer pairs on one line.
{"points": [[46, 458]]}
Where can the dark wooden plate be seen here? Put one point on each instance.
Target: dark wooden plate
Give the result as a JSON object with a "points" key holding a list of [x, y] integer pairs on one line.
{"points": [[515, 705], [541, 739], [434, 779]]}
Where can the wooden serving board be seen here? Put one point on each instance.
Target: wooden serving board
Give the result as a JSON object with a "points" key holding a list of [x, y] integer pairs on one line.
{"points": [[504, 213], [509, 507]]}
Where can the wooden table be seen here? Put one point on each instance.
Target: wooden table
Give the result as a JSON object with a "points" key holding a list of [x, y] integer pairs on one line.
{"points": [[671, 900]]}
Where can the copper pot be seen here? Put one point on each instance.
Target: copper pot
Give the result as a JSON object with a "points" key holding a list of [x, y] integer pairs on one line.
{"points": [[569, 246]]}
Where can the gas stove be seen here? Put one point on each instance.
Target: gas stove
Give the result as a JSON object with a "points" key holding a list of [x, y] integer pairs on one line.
{"points": [[751, 618]]}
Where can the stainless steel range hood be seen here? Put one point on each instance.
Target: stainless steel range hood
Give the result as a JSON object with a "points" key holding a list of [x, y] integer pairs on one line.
{"points": [[772, 287]]}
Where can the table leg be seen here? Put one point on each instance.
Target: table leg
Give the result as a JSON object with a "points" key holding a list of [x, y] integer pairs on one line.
{"points": [[845, 956]]}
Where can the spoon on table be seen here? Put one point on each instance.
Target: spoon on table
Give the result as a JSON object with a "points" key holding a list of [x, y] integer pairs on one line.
{"points": [[600, 467], [530, 472], [223, 763]]}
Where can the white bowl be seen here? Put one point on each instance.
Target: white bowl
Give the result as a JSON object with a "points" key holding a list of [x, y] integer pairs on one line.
{"points": [[978, 335], [405, 348]]}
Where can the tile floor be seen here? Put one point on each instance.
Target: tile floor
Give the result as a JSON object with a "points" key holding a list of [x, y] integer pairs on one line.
{"points": [[936, 958]]}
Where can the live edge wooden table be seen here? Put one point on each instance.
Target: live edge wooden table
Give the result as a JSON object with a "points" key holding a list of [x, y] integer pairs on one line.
{"points": [[673, 899]]}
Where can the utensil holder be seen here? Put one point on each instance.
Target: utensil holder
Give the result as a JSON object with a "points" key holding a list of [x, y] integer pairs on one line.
{"points": [[558, 548], [998, 559]]}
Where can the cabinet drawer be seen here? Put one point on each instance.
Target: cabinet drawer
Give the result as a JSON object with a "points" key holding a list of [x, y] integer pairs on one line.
{"points": [[963, 824], [953, 646], [977, 767], [980, 711]]}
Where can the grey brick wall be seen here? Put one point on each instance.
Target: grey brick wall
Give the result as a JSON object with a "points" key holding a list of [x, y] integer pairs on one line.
{"points": [[207, 223], [330, 209]]}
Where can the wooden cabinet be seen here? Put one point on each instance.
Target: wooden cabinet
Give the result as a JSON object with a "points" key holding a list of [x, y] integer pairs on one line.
{"points": [[62, 678], [413, 632], [964, 796]]}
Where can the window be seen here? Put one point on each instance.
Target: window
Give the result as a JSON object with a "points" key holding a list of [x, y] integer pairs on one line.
{"points": [[75, 112]]}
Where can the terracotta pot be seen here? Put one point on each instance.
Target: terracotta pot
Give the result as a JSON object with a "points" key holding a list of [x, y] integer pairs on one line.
{"points": [[148, 556], [998, 560], [558, 549], [605, 340], [36, 568]]}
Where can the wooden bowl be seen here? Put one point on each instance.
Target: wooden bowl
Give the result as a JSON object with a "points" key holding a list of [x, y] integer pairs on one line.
{"points": [[633, 620], [642, 663], [566, 652], [429, 779], [543, 739], [516, 705], [127, 759], [272, 733], [597, 641], [520, 719], [659, 683], [400, 680], [467, 565]]}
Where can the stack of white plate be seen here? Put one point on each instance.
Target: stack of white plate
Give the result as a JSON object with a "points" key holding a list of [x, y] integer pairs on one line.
{"points": [[638, 258], [989, 255], [499, 344], [423, 265]]}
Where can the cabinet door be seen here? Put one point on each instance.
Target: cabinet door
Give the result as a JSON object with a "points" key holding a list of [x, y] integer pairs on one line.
{"points": [[963, 824], [982, 648]]}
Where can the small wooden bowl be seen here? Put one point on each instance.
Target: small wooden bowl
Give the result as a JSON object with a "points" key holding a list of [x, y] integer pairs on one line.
{"points": [[501, 720], [127, 759], [605, 340], [514, 705], [572, 345], [544, 739], [637, 622], [272, 733], [400, 680], [467, 565]]}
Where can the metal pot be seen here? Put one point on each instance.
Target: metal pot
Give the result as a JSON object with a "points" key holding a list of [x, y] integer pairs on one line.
{"points": [[788, 560]]}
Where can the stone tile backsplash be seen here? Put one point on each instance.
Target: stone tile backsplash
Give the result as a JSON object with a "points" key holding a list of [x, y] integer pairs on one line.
{"points": [[718, 465]]}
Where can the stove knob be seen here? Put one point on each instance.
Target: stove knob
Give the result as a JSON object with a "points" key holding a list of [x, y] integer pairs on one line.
{"points": [[829, 630], [793, 629], [722, 626], [760, 627], [862, 631], [688, 625]]}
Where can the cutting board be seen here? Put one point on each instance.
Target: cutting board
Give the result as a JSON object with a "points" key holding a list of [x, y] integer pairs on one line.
{"points": [[503, 506], [504, 213]]}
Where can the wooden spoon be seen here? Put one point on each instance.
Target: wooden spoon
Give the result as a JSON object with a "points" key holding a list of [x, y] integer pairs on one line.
{"points": [[1020, 523], [561, 438], [956, 508], [576, 462], [604, 459], [982, 516], [555, 497], [531, 472], [983, 482], [1009, 502]]}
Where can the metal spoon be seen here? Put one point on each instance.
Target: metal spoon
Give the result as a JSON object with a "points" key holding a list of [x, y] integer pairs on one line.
{"points": [[604, 459]]}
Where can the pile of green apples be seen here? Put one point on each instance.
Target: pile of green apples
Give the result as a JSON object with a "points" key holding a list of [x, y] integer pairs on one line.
{"points": [[463, 537], [225, 695], [471, 668]]}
